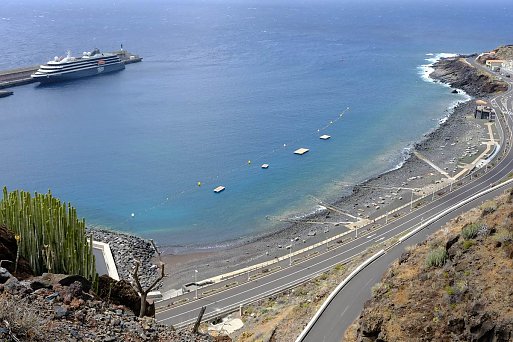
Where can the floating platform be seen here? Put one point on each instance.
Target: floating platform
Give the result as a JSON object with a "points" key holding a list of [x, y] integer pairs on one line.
{"points": [[301, 151], [325, 137], [265, 166], [219, 189]]}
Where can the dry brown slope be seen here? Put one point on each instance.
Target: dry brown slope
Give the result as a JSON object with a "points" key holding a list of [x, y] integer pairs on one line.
{"points": [[468, 298]]}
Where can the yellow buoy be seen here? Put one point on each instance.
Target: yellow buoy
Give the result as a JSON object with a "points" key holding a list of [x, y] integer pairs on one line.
{"points": [[249, 162], [199, 183]]}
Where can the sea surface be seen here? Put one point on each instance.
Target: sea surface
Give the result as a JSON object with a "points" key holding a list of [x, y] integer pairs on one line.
{"points": [[224, 87]]}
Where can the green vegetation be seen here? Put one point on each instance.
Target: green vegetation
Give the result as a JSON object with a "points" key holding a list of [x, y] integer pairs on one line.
{"points": [[470, 230], [436, 257], [450, 290], [339, 267], [468, 243], [49, 233], [489, 207]]}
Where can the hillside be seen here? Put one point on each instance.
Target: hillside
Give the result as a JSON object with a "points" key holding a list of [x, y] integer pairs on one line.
{"points": [[502, 52], [456, 286]]}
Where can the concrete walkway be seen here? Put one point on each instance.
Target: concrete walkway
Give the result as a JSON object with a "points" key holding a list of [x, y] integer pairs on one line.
{"points": [[421, 157]]}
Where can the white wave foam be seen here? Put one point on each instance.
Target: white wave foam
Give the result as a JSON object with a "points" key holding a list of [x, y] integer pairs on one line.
{"points": [[426, 69], [303, 216]]}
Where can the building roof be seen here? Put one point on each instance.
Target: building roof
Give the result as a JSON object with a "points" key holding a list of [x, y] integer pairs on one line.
{"points": [[494, 61], [481, 102]]}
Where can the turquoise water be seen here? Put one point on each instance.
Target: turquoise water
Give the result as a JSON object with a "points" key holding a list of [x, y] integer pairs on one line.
{"points": [[222, 83]]}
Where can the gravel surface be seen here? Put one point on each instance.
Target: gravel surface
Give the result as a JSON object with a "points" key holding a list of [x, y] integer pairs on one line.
{"points": [[126, 249], [444, 146]]}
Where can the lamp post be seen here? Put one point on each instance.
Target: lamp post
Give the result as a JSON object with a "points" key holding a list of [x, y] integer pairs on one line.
{"points": [[290, 254], [385, 187], [196, 283]]}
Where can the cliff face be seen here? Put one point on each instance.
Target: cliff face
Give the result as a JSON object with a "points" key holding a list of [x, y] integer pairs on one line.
{"points": [[459, 74], [456, 286]]}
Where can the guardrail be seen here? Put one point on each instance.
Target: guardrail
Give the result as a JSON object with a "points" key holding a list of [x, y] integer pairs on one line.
{"points": [[335, 292], [454, 207], [441, 191], [381, 252]]}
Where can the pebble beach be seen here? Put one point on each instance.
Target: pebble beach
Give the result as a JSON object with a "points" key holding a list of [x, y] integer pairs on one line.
{"points": [[457, 135]]}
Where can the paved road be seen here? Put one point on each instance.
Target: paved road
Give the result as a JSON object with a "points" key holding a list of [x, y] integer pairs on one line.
{"points": [[347, 305], [239, 291]]}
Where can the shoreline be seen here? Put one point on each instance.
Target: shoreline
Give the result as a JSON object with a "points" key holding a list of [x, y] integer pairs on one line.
{"points": [[412, 172]]}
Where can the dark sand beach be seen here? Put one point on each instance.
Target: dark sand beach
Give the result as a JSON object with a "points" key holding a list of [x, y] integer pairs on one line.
{"points": [[443, 147]]}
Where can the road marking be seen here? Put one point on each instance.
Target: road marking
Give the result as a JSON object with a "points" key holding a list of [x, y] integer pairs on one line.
{"points": [[472, 186]]}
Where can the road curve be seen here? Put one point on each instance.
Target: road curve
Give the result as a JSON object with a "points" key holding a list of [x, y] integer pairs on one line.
{"points": [[348, 303], [228, 295]]}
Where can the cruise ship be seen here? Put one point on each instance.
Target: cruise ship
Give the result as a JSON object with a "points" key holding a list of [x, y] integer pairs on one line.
{"points": [[69, 68]]}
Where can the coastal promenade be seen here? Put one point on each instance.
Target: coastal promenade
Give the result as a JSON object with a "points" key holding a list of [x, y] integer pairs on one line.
{"points": [[229, 295], [348, 302], [21, 76]]}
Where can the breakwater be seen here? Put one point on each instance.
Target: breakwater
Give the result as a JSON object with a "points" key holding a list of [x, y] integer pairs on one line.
{"points": [[21, 76]]}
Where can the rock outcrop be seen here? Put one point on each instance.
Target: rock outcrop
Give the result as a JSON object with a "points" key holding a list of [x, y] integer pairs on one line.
{"points": [[8, 249], [467, 299], [459, 74], [122, 293], [58, 308]]}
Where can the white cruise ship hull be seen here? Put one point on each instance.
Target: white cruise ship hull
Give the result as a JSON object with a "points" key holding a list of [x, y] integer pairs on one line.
{"points": [[80, 73]]}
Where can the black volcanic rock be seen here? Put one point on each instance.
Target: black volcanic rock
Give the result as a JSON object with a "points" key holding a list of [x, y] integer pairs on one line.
{"points": [[459, 74], [8, 249]]}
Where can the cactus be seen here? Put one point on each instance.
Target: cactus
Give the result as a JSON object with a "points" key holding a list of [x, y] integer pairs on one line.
{"points": [[51, 236]]}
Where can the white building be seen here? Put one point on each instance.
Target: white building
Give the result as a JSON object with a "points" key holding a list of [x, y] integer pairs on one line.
{"points": [[494, 64]]}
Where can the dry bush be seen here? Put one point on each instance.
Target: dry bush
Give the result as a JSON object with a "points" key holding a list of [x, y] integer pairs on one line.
{"points": [[22, 319]]}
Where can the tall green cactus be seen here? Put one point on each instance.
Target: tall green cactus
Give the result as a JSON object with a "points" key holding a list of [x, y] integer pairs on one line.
{"points": [[52, 237]]}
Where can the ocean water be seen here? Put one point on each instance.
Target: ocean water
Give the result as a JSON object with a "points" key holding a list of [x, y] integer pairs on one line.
{"points": [[224, 83]]}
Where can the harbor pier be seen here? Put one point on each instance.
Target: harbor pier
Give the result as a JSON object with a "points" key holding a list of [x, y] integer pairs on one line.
{"points": [[21, 76]]}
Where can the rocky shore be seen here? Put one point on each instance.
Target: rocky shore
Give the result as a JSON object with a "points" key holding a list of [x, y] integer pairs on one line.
{"points": [[442, 147], [126, 249]]}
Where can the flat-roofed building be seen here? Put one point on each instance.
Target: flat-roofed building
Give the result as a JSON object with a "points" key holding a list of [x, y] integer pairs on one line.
{"points": [[494, 64], [484, 112]]}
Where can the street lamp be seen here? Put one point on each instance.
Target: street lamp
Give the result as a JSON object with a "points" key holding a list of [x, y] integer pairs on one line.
{"points": [[196, 283], [290, 254]]}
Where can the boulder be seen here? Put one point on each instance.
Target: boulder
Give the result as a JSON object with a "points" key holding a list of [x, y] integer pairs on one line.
{"points": [[451, 241], [122, 293], [4, 275], [69, 280], [8, 250]]}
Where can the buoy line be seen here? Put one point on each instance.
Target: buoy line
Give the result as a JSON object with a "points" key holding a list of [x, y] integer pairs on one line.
{"points": [[210, 183]]}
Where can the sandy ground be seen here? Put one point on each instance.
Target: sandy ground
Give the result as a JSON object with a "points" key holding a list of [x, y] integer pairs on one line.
{"points": [[443, 147]]}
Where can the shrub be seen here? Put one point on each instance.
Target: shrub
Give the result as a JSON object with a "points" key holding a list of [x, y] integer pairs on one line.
{"points": [[488, 208], [470, 231], [22, 319], [436, 257], [467, 244], [503, 235]]}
